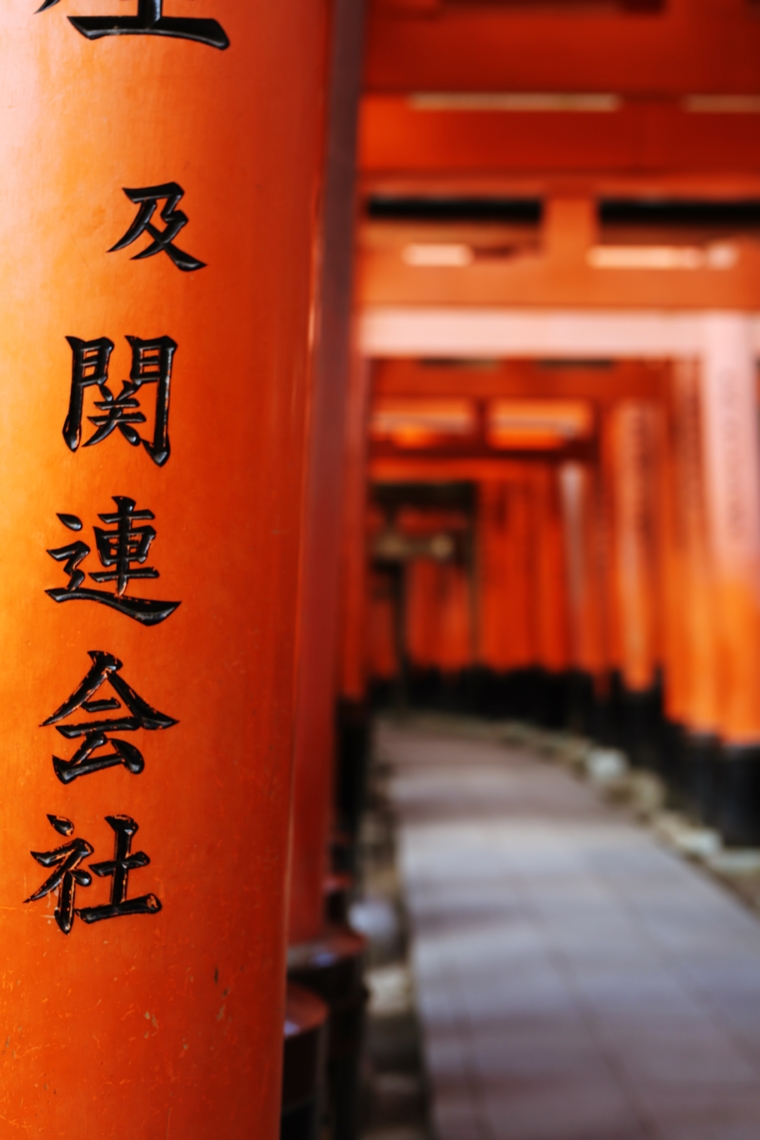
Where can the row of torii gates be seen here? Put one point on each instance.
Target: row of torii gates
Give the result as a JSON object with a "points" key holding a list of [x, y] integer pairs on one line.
{"points": [[609, 563]]}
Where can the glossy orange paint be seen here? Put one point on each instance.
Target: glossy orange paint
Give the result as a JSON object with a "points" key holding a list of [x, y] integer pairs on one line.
{"points": [[437, 595], [582, 535], [634, 459], [509, 563], [492, 561], [550, 581], [732, 494], [690, 628], [381, 629], [169, 1025]]}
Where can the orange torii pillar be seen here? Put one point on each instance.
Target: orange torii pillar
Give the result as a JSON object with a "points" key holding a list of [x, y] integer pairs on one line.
{"points": [[326, 957], [550, 593], [504, 611], [521, 593], [493, 651], [580, 514], [160, 175], [732, 467], [633, 446], [690, 659], [438, 605]]}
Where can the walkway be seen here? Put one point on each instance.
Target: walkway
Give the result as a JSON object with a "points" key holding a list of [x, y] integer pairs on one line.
{"points": [[575, 980]]}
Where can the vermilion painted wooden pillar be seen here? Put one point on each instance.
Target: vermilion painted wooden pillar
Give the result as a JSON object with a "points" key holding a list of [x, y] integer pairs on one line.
{"points": [[635, 541], [314, 750], [327, 959], [158, 212], [422, 616], [732, 466], [633, 465], [698, 575], [675, 545], [584, 588], [550, 581], [437, 599], [522, 567], [454, 649], [690, 649], [493, 550], [382, 623]]}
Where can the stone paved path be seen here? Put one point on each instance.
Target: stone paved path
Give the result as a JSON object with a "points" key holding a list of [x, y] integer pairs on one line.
{"points": [[575, 980]]}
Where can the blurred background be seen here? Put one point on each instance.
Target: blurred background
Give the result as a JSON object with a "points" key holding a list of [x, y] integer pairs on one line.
{"points": [[545, 526]]}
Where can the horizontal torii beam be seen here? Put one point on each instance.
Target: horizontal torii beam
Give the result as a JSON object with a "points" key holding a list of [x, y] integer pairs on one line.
{"points": [[543, 333]]}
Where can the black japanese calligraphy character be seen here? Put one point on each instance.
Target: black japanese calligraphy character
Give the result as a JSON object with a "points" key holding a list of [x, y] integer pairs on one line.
{"points": [[149, 21], [147, 198], [118, 868], [132, 711], [68, 874], [151, 364], [89, 366], [118, 549]]}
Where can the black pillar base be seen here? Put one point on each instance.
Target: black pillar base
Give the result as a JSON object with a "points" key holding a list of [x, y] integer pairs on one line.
{"points": [[739, 804], [701, 776], [332, 968], [582, 711], [672, 768], [303, 1064], [610, 713], [640, 725], [338, 889], [353, 746]]}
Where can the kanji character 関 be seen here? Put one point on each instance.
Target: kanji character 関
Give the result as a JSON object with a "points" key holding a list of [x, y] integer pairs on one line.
{"points": [[149, 21], [67, 875], [132, 713], [118, 550], [151, 364], [147, 198]]}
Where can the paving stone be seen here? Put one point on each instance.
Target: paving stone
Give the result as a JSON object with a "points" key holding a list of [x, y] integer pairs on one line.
{"points": [[575, 979]]}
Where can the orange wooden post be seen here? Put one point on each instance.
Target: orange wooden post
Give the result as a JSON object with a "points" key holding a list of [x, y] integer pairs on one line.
{"points": [[690, 649], [382, 650], [681, 463], [454, 650], [422, 614], [438, 598], [147, 966], [732, 466], [323, 955], [520, 583], [584, 588], [635, 441], [493, 551], [550, 589], [314, 749]]}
